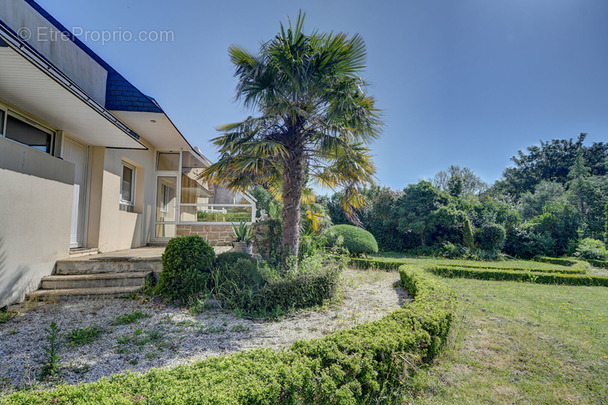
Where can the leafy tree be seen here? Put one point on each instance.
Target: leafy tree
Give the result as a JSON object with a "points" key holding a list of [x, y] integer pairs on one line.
{"points": [[551, 161], [561, 222], [315, 119], [416, 207], [531, 204], [459, 182]]}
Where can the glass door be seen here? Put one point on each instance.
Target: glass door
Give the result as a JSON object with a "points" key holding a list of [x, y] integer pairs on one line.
{"points": [[166, 207]]}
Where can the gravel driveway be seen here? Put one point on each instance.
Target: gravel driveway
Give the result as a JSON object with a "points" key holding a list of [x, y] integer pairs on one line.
{"points": [[166, 336]]}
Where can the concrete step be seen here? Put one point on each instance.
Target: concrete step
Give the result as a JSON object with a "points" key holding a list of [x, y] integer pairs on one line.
{"points": [[128, 279], [107, 265], [82, 292]]}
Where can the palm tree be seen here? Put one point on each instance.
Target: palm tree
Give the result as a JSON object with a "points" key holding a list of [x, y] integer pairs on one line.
{"points": [[314, 121]]}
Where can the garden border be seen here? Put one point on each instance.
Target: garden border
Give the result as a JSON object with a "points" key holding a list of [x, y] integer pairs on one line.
{"points": [[347, 366]]}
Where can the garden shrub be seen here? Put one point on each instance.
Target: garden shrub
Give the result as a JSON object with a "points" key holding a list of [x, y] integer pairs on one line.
{"points": [[523, 242], [348, 366], [187, 263], [490, 237], [555, 260], [358, 241], [511, 275], [591, 249], [598, 263], [230, 258]]}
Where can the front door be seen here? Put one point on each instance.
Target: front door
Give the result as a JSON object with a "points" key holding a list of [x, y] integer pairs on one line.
{"points": [[77, 153]]}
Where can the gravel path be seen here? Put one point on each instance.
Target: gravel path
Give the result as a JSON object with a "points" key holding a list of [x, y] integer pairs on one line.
{"points": [[168, 336]]}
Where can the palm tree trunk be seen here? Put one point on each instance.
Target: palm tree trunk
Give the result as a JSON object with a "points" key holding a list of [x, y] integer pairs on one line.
{"points": [[291, 215]]}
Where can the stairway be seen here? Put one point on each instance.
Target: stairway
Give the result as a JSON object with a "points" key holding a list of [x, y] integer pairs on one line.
{"points": [[96, 276]]}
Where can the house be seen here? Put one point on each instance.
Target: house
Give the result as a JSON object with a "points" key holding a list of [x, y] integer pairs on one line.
{"points": [[88, 161]]}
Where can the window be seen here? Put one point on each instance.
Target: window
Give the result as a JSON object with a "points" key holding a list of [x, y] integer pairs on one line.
{"points": [[167, 162], [26, 131], [127, 187]]}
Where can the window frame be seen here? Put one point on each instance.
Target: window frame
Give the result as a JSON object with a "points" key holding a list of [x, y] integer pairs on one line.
{"points": [[127, 205], [8, 112]]}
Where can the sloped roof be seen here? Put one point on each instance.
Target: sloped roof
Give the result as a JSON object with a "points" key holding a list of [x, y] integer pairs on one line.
{"points": [[121, 95]]}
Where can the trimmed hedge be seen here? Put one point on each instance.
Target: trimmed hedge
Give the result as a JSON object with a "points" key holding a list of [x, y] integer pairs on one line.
{"points": [[349, 366], [374, 264], [303, 290], [555, 260], [392, 265], [597, 263], [356, 240], [510, 275]]}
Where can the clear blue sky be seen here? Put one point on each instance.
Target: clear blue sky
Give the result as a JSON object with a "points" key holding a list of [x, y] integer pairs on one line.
{"points": [[466, 82]]}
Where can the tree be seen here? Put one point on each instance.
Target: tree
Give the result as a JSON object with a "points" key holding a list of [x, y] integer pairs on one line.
{"points": [[415, 209], [315, 119], [459, 182]]}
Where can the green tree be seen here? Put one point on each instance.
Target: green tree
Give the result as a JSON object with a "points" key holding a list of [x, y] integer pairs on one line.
{"points": [[459, 182], [416, 209], [315, 119]]}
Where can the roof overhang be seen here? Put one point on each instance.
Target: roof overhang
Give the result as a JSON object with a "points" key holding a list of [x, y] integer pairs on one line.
{"points": [[156, 128], [32, 84]]}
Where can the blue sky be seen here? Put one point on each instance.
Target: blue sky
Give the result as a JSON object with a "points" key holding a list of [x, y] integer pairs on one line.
{"points": [[466, 82]]}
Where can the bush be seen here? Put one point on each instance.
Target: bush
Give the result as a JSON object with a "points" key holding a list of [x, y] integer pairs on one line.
{"points": [[529, 276], [230, 258], [555, 260], [187, 263], [490, 237], [591, 249], [524, 243], [358, 241]]}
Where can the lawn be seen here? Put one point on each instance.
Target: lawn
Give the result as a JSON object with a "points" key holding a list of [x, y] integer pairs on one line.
{"points": [[520, 343]]}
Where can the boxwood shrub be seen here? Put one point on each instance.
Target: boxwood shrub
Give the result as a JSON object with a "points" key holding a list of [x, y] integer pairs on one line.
{"points": [[510, 275], [348, 366], [187, 263], [358, 241], [555, 260]]}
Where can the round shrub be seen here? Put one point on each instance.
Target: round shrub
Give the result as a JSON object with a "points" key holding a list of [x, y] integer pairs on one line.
{"points": [[356, 240], [592, 249], [230, 258], [187, 263], [490, 237]]}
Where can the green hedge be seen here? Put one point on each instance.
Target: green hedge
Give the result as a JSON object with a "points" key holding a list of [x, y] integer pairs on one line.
{"points": [[392, 265], [510, 275], [349, 366], [597, 263], [374, 264], [555, 260], [303, 290]]}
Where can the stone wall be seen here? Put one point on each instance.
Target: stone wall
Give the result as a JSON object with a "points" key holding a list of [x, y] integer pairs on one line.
{"points": [[216, 235]]}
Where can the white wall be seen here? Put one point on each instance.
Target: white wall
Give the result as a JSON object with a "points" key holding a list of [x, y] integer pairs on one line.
{"points": [[36, 194], [64, 54], [120, 229]]}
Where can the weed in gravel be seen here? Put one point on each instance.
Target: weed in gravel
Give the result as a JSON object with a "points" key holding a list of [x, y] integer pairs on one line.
{"points": [[211, 330], [239, 328], [50, 360], [130, 318], [78, 368], [7, 315], [84, 336]]}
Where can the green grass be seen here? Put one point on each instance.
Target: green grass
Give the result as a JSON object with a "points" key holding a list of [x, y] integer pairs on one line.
{"points": [[521, 343]]}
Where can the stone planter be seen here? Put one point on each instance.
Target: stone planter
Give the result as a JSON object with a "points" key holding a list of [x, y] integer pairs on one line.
{"points": [[242, 247]]}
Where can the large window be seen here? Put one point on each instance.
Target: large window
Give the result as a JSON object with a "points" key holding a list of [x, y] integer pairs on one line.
{"points": [[25, 131], [127, 187]]}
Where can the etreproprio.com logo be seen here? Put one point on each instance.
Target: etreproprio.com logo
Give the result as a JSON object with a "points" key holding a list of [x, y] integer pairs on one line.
{"points": [[46, 34]]}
